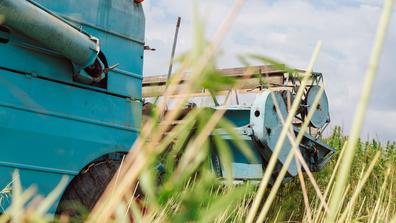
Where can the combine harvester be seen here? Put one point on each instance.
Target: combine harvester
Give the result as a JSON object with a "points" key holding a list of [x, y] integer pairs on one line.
{"points": [[71, 98], [258, 123]]}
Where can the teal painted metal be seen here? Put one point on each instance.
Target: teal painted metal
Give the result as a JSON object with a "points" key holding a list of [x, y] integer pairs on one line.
{"points": [[48, 30], [321, 116], [267, 125], [52, 123]]}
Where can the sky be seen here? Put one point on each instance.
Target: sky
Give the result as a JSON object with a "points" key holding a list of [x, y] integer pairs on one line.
{"points": [[288, 30]]}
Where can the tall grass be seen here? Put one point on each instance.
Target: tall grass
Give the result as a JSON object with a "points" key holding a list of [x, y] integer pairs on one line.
{"points": [[357, 185], [289, 202]]}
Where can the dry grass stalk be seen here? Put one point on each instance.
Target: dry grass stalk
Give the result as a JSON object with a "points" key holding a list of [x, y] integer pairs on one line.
{"points": [[136, 160]]}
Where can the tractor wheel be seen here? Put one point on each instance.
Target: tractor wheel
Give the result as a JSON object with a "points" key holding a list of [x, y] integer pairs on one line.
{"points": [[86, 188]]}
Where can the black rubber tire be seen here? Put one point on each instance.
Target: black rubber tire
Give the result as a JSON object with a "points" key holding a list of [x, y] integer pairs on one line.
{"points": [[86, 188]]}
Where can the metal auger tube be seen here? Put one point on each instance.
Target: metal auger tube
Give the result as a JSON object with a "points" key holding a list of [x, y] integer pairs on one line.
{"points": [[45, 28]]}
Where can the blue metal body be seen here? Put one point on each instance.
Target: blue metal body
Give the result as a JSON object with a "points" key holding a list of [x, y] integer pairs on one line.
{"points": [[52, 125]]}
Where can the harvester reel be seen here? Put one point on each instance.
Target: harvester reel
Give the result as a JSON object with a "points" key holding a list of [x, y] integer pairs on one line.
{"points": [[321, 116], [267, 125]]}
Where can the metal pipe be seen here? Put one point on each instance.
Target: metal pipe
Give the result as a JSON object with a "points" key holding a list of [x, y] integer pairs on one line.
{"points": [[38, 24], [174, 47]]}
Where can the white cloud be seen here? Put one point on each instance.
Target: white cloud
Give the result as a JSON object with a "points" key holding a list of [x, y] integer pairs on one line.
{"points": [[288, 30]]}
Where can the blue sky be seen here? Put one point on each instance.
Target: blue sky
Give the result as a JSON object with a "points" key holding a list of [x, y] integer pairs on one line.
{"points": [[288, 30]]}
